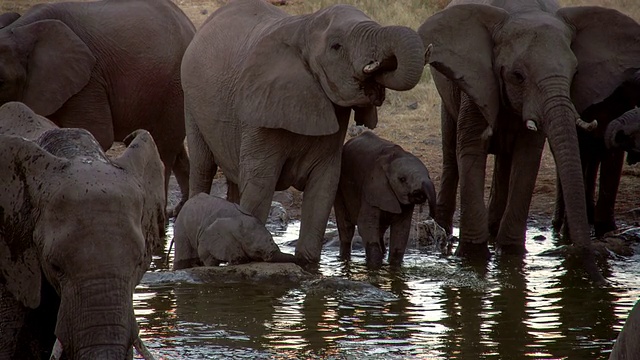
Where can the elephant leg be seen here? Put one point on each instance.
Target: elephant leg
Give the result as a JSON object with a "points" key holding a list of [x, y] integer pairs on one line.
{"points": [[317, 200], [610, 172], [372, 235], [527, 154], [499, 191], [233, 193], [346, 228], [446, 199], [202, 165], [181, 171], [472, 161], [400, 229], [590, 167]]}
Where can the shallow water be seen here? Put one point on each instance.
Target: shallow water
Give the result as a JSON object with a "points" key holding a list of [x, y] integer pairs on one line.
{"points": [[539, 307]]}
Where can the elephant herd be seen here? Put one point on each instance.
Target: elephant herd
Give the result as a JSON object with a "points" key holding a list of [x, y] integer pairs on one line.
{"points": [[266, 97]]}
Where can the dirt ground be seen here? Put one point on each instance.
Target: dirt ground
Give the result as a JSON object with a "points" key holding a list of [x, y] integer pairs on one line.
{"points": [[411, 119]]}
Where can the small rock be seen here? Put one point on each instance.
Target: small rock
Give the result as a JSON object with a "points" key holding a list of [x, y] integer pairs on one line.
{"points": [[204, 11], [413, 105], [539, 237]]}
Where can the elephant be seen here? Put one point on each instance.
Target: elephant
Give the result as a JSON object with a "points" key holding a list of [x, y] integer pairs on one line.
{"points": [[108, 66], [627, 346], [211, 230], [618, 131], [268, 97], [7, 18], [380, 183], [77, 232], [510, 75]]}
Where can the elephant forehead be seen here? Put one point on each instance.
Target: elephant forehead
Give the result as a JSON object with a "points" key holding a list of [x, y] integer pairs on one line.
{"points": [[340, 15], [534, 27]]}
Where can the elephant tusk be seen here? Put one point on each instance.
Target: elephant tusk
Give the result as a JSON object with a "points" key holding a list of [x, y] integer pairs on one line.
{"points": [[371, 67], [531, 125], [427, 53], [56, 352], [587, 126], [487, 133], [141, 348]]}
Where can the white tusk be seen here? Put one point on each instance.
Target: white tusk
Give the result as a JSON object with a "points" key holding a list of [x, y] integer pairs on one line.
{"points": [[427, 53], [587, 126], [487, 133], [56, 352], [371, 67], [142, 349], [531, 125]]}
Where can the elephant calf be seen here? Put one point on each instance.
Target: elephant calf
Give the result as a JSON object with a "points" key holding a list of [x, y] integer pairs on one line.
{"points": [[379, 185], [210, 230]]}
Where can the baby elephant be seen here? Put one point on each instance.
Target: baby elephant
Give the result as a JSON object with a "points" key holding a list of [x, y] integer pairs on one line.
{"points": [[210, 230], [379, 185]]}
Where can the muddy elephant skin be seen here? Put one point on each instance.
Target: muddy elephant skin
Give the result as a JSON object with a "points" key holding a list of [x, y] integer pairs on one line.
{"points": [[77, 231], [380, 183], [268, 97], [210, 230], [108, 66], [510, 75]]}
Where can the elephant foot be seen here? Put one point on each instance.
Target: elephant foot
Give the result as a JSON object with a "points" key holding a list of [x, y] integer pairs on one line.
{"points": [[473, 250], [556, 223], [396, 257], [374, 255], [603, 227], [517, 249], [345, 251]]}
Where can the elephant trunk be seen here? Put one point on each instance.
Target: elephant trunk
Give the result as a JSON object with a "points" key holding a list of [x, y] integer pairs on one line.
{"points": [[613, 138], [401, 58], [430, 190], [96, 320], [561, 132]]}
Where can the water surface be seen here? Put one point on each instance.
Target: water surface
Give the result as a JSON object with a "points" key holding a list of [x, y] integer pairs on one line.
{"points": [[438, 307]]}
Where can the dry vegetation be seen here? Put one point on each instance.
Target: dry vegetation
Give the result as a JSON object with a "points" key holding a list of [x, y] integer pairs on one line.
{"points": [[417, 129]]}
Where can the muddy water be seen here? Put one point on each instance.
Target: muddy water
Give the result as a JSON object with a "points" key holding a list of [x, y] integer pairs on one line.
{"points": [[435, 307]]}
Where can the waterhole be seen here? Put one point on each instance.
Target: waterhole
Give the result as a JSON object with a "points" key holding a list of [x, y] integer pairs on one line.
{"points": [[439, 307]]}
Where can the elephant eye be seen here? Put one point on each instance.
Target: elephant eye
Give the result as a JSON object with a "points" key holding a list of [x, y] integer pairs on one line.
{"points": [[402, 179], [518, 76], [336, 46]]}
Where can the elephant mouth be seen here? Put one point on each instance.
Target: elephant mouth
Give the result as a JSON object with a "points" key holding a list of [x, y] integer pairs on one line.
{"points": [[374, 92], [417, 197]]}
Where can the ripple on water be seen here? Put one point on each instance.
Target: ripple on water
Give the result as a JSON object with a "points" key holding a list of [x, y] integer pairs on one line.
{"points": [[439, 308]]}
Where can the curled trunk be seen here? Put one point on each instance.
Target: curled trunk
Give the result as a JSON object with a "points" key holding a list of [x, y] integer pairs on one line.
{"points": [[430, 190], [402, 52], [563, 139], [619, 130]]}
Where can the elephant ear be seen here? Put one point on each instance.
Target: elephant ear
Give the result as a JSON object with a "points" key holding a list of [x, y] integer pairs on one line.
{"points": [[18, 119], [366, 115], [7, 18], [21, 164], [141, 159], [59, 64], [461, 48], [277, 91], [607, 46], [217, 241], [377, 190]]}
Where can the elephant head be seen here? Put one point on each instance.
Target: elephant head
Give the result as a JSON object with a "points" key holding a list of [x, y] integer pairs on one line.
{"points": [[624, 133], [298, 72], [30, 56], [239, 239], [400, 178], [541, 67], [85, 224]]}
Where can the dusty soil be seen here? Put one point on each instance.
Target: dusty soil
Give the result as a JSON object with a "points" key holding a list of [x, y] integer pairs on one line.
{"points": [[411, 119]]}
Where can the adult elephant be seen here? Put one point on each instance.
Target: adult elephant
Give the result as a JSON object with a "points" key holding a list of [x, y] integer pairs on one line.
{"points": [[268, 98], [509, 75], [77, 231], [109, 66], [602, 154]]}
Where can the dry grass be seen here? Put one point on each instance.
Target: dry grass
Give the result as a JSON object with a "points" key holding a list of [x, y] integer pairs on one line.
{"points": [[418, 130]]}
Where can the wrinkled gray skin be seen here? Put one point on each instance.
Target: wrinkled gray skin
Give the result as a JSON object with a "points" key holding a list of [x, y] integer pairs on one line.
{"points": [[627, 346], [380, 183], [268, 98], [8, 18], [502, 72], [77, 231], [602, 154], [110, 67], [210, 230]]}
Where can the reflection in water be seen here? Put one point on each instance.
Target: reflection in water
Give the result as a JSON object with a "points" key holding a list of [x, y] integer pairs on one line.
{"points": [[444, 308]]}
